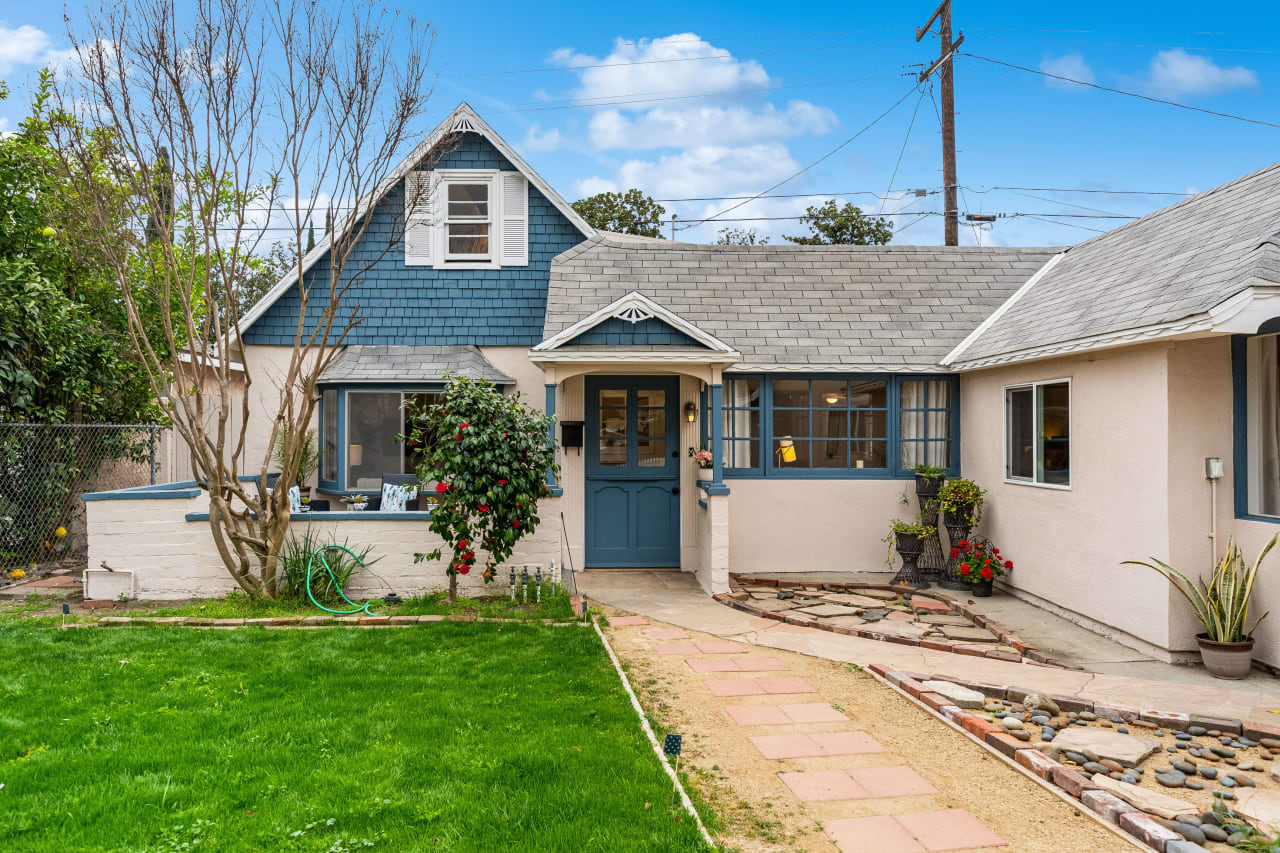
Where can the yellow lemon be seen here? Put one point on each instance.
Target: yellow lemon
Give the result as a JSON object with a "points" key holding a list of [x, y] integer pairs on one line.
{"points": [[60, 532], [17, 574], [48, 544], [48, 232]]}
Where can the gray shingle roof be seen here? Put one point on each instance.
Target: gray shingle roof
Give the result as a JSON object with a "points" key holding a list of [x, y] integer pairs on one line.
{"points": [[411, 364], [860, 307], [1167, 266]]}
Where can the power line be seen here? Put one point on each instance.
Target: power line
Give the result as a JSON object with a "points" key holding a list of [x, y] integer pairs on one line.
{"points": [[1123, 92], [903, 149], [1068, 224], [982, 188], [1131, 44], [865, 128], [681, 59]]}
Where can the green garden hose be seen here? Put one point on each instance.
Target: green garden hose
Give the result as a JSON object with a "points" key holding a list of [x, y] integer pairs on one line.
{"points": [[359, 608]]}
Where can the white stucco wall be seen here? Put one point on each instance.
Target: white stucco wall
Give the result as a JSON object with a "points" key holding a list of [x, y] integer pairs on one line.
{"points": [[814, 525], [712, 550], [1068, 545], [173, 558]]}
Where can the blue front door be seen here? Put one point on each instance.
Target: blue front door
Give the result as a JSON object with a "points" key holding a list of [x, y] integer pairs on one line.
{"points": [[632, 472]]}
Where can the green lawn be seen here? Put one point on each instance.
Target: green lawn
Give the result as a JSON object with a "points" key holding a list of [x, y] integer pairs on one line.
{"points": [[453, 736]]}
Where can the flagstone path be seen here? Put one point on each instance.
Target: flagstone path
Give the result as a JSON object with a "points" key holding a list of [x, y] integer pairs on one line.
{"points": [[832, 760]]}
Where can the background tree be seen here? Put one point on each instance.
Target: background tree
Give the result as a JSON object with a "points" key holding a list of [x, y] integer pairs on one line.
{"points": [[741, 237], [260, 104], [490, 456], [831, 224], [631, 212]]}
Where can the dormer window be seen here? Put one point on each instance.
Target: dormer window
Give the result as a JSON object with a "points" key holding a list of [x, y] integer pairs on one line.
{"points": [[466, 219]]}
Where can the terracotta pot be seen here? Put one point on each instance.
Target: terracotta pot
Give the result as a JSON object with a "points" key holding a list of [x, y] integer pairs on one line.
{"points": [[1225, 660]]}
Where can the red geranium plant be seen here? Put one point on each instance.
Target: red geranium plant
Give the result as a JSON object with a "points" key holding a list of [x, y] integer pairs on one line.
{"points": [[978, 560], [490, 456]]}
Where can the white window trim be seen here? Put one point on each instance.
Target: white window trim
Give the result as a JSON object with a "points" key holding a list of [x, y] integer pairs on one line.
{"points": [[444, 177], [1004, 401]]}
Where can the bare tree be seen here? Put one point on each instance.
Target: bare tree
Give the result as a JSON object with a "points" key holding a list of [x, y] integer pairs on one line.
{"points": [[261, 106]]}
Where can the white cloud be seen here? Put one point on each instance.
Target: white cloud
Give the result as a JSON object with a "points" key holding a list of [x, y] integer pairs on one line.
{"points": [[664, 127], [710, 170], [22, 46], [1189, 73], [537, 139], [1068, 65]]}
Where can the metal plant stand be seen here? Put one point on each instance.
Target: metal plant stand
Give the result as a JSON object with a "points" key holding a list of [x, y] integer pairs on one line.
{"points": [[951, 577], [909, 549], [932, 562]]}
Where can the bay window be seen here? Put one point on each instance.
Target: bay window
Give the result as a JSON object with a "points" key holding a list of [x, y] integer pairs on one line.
{"points": [[361, 429], [1038, 433], [838, 425]]}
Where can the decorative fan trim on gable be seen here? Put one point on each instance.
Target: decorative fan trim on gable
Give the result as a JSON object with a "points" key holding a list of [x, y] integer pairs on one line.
{"points": [[634, 307]]}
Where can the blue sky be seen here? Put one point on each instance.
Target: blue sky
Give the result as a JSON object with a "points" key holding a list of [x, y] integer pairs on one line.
{"points": [[792, 82]]}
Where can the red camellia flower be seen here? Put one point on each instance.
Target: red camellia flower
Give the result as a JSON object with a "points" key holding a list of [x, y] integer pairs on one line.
{"points": [[1008, 564], [515, 523], [995, 550], [964, 570], [963, 543], [502, 482], [462, 570], [462, 543], [985, 573], [483, 508], [462, 425], [441, 488]]}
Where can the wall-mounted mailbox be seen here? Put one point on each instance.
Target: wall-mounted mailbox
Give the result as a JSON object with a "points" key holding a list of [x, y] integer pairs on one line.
{"points": [[571, 434]]}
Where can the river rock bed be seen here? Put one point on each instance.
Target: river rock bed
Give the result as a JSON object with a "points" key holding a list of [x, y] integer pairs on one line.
{"points": [[1205, 784]]}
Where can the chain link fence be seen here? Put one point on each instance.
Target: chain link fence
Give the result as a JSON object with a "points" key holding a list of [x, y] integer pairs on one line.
{"points": [[44, 470]]}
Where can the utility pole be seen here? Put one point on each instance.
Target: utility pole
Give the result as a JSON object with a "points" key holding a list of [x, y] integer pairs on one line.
{"points": [[945, 63]]}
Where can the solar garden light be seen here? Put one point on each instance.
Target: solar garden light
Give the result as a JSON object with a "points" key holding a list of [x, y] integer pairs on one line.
{"points": [[538, 576], [524, 583], [513, 583]]}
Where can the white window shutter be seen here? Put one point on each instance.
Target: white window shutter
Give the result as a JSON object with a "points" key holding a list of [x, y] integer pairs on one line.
{"points": [[419, 228], [515, 220]]}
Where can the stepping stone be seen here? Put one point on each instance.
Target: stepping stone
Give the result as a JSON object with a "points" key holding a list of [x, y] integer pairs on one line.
{"points": [[664, 634], [864, 783], [678, 647], [961, 696], [757, 663], [949, 829], [871, 835], [736, 687], [776, 747], [968, 634], [813, 712], [829, 610], [714, 664], [777, 605], [757, 715], [845, 621], [852, 600], [1128, 750], [763, 596], [880, 594], [764, 623], [790, 684], [626, 621], [930, 605], [944, 619], [900, 616]]}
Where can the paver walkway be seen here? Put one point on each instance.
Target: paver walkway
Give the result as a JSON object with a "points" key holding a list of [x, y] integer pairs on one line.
{"points": [[676, 598]]}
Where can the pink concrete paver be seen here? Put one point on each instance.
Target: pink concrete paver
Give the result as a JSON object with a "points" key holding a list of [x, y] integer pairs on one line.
{"points": [[759, 663], [813, 712], [791, 684], [929, 605], [788, 628], [814, 745], [822, 785], [678, 647], [900, 781], [871, 835], [762, 622], [664, 634], [949, 829], [57, 582], [626, 621], [757, 715], [713, 664], [736, 687]]}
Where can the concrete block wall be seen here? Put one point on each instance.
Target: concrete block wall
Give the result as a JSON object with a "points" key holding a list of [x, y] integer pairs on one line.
{"points": [[173, 558], [713, 543]]}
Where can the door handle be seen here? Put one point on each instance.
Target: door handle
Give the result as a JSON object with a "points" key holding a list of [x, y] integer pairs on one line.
{"points": [[675, 490], [675, 454]]}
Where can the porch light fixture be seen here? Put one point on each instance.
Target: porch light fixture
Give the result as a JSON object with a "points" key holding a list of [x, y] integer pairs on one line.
{"points": [[691, 412], [832, 399]]}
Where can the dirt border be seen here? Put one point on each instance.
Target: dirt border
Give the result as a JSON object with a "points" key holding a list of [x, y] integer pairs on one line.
{"points": [[740, 599]]}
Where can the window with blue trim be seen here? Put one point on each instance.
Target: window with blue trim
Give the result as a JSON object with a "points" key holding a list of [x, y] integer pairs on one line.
{"points": [[839, 425], [360, 429]]}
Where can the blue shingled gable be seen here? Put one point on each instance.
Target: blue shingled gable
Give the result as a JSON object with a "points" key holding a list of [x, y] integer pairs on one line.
{"points": [[617, 332], [416, 305]]}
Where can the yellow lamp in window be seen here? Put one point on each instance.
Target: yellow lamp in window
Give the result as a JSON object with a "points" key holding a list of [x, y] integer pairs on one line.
{"points": [[786, 449], [355, 455]]}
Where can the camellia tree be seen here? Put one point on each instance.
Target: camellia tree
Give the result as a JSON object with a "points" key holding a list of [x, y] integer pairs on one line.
{"points": [[489, 455]]}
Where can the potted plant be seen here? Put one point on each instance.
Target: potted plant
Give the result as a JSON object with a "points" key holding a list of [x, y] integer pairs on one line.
{"points": [[308, 462], [909, 538], [704, 460], [1222, 607], [961, 502], [979, 563], [928, 480]]}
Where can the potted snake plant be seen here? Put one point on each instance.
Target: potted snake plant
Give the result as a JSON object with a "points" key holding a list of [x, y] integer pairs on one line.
{"points": [[1222, 608]]}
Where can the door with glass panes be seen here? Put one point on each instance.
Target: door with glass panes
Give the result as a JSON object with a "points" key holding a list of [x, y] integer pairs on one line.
{"points": [[632, 472]]}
